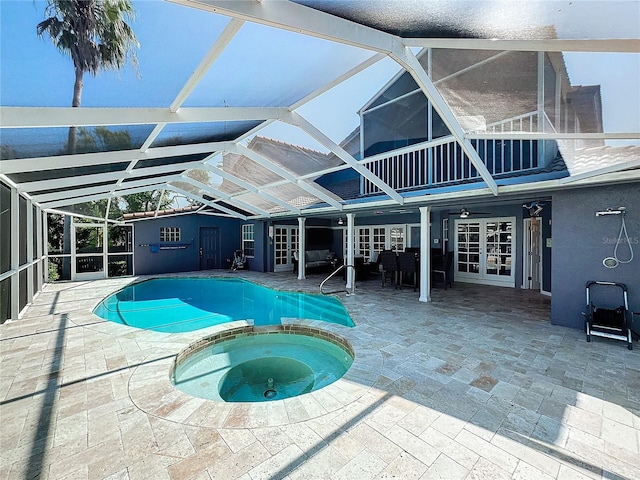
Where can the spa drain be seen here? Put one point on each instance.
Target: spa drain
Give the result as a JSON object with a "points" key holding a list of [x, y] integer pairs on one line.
{"points": [[270, 392]]}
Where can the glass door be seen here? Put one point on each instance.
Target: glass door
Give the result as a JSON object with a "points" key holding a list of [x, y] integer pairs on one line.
{"points": [[88, 254], [484, 251], [285, 243], [468, 250]]}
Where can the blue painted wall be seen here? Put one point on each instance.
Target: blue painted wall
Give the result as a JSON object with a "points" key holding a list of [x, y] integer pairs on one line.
{"points": [[184, 260], [581, 241]]}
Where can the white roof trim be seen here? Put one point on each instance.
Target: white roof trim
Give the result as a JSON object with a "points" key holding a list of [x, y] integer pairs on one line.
{"points": [[628, 45], [49, 117]]}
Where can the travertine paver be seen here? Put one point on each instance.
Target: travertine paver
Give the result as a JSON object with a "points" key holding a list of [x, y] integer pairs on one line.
{"points": [[474, 385]]}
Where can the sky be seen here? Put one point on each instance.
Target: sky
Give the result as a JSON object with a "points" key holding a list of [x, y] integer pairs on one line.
{"points": [[174, 39]]}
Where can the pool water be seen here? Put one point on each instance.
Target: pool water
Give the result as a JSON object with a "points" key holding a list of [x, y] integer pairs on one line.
{"points": [[176, 305], [261, 368]]}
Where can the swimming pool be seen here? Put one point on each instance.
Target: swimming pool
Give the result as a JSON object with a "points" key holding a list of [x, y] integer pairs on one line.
{"points": [[176, 305]]}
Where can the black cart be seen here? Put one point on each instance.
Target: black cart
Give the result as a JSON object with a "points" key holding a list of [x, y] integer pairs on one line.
{"points": [[604, 321]]}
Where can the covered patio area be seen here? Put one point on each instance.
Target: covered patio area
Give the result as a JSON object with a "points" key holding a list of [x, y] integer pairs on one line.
{"points": [[470, 385]]}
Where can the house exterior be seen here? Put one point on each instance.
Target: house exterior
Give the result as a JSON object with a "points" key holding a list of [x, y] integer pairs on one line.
{"points": [[543, 235]]}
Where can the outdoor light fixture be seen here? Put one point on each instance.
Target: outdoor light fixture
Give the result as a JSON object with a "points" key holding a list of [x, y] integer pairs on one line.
{"points": [[340, 221], [464, 213]]}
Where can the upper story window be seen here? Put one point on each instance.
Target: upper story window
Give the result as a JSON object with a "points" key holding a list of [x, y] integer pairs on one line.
{"points": [[169, 234], [248, 243]]}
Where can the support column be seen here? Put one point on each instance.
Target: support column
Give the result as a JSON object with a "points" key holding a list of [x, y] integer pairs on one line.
{"points": [[351, 273], [541, 143], [40, 242], [425, 254], [45, 247], [30, 240], [105, 249], [15, 255], [302, 246]]}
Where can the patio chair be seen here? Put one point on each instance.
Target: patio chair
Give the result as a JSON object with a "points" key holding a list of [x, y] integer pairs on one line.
{"points": [[389, 261], [408, 266], [239, 261], [444, 270]]}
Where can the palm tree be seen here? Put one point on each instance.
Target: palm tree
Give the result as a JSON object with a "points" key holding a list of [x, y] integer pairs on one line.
{"points": [[95, 34]]}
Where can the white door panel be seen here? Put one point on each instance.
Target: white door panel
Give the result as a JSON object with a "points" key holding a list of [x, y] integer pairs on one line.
{"points": [[484, 251]]}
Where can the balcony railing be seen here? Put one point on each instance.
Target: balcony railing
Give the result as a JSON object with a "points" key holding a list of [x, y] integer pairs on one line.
{"points": [[443, 161]]}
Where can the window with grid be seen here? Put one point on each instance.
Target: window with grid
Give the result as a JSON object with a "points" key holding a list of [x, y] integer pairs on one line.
{"points": [[364, 243], [248, 243], [379, 239], [397, 239], [169, 234]]}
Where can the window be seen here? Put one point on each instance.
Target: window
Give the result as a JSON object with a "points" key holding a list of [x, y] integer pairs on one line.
{"points": [[445, 234], [248, 244], [169, 234], [397, 239], [379, 239]]}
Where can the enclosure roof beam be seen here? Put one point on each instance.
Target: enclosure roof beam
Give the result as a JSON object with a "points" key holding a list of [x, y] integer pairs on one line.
{"points": [[51, 117], [300, 19], [206, 202], [79, 180], [614, 45]]}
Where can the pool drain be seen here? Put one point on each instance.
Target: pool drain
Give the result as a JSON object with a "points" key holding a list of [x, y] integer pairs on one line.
{"points": [[270, 392]]}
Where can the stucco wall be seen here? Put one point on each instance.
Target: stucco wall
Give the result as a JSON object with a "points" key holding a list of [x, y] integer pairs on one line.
{"points": [[581, 241], [184, 260]]}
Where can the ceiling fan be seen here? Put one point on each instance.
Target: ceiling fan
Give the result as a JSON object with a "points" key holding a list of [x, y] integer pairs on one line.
{"points": [[535, 208], [464, 213]]}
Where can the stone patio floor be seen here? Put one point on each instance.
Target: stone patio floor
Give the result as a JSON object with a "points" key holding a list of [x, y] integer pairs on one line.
{"points": [[476, 384]]}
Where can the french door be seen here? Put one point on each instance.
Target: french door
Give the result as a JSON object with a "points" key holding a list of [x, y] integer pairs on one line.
{"points": [[285, 243], [532, 254], [376, 239], [484, 251]]}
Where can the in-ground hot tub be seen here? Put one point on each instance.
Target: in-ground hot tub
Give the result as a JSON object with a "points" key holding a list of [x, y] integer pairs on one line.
{"points": [[244, 365]]}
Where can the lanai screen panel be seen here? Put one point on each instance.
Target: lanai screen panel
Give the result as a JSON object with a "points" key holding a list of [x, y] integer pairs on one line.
{"points": [[189, 188], [261, 202], [549, 93], [248, 170], [189, 133], [615, 19], [294, 195], [485, 89], [268, 67], [47, 142], [293, 158], [95, 209], [167, 57]]}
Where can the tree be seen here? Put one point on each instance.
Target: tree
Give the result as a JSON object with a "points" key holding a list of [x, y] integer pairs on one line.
{"points": [[95, 34], [146, 201]]}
